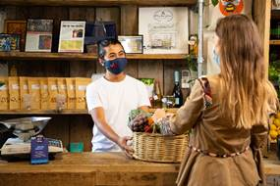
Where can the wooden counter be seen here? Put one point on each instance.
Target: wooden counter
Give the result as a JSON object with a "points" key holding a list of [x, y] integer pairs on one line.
{"points": [[89, 169]]}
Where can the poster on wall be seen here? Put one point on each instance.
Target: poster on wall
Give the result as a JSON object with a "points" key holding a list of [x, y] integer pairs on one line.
{"points": [[71, 38], [165, 29], [132, 44], [39, 35]]}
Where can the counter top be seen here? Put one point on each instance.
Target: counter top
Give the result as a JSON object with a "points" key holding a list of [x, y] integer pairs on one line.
{"points": [[98, 169], [88, 169]]}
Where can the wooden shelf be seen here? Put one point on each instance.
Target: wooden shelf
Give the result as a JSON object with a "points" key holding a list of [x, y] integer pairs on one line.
{"points": [[169, 110], [43, 112], [275, 14], [78, 57], [274, 42], [98, 2], [63, 112]]}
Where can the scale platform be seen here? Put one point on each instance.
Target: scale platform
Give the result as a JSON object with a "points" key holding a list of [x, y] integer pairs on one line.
{"points": [[17, 148]]}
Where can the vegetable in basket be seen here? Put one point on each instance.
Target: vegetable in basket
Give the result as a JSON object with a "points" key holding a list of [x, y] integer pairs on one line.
{"points": [[143, 122]]}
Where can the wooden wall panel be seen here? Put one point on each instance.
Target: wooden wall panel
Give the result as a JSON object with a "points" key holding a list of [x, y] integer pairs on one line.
{"points": [[81, 130], [58, 128], [261, 16], [42, 68], [109, 14], [129, 20], [168, 73], [87, 14], [151, 69], [16, 12]]}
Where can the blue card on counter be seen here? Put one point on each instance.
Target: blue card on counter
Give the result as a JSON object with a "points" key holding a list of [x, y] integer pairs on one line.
{"points": [[39, 150]]}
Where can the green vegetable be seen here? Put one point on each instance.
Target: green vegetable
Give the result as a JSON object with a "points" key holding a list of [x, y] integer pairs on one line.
{"points": [[1, 84], [136, 112], [215, 2]]}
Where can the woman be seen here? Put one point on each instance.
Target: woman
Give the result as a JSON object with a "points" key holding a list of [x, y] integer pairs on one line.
{"points": [[228, 112]]}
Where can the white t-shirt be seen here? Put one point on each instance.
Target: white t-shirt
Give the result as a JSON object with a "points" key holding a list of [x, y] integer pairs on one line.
{"points": [[117, 100]]}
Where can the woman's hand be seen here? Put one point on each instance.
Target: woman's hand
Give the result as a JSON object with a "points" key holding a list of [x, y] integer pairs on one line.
{"points": [[122, 142]]}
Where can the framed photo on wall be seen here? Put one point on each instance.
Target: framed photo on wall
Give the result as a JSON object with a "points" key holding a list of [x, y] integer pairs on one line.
{"points": [[16, 27], [132, 44], [39, 35], [165, 29], [71, 37]]}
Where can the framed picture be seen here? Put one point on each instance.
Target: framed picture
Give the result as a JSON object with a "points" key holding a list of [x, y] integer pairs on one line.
{"points": [[39, 35], [71, 37], [132, 44], [5, 42], [165, 29], [16, 27]]}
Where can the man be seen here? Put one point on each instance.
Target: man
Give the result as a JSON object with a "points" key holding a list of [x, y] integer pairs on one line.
{"points": [[111, 98]]}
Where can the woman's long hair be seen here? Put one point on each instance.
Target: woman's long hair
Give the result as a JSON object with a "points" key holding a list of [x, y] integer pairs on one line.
{"points": [[244, 84]]}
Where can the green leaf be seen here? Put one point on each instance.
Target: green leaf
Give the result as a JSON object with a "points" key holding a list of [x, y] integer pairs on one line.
{"points": [[215, 2], [1, 84]]}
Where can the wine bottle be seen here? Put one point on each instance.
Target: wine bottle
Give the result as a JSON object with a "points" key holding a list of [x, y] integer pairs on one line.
{"points": [[177, 91], [157, 96]]}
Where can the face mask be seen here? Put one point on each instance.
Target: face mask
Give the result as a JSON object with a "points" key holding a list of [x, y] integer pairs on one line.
{"points": [[116, 66], [216, 57]]}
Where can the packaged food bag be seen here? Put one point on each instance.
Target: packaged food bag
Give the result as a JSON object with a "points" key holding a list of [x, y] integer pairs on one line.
{"points": [[14, 96], [81, 85], [4, 93]]}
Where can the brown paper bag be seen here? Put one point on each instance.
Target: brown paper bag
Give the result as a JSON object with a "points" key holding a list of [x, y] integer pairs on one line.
{"points": [[62, 94], [71, 93], [14, 97], [81, 85], [25, 97], [34, 90], [44, 94], [4, 94], [53, 91]]}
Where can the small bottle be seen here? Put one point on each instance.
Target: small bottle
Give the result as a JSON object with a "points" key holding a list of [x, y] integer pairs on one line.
{"points": [[157, 96], [177, 91]]}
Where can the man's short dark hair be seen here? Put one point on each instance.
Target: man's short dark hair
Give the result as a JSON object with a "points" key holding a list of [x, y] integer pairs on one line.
{"points": [[104, 43]]}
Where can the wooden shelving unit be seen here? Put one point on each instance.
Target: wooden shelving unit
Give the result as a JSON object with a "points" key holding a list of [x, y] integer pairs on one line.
{"points": [[63, 112], [78, 57], [274, 42], [43, 112], [97, 2]]}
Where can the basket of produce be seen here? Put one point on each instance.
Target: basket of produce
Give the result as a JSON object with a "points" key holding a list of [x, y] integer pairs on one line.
{"points": [[150, 145], [274, 131]]}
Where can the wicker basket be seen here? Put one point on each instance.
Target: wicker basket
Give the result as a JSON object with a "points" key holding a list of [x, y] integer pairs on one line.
{"points": [[159, 148]]}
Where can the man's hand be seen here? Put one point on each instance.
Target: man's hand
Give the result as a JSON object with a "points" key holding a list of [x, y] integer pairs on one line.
{"points": [[122, 142], [137, 124]]}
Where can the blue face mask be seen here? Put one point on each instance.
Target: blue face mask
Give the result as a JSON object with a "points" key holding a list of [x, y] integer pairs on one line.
{"points": [[116, 66], [216, 57]]}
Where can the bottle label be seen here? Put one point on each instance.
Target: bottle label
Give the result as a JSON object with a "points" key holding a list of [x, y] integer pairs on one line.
{"points": [[177, 101]]}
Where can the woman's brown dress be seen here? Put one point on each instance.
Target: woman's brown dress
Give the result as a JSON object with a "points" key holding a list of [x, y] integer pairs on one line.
{"points": [[218, 135]]}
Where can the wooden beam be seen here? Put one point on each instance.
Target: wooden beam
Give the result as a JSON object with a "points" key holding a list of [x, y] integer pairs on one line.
{"points": [[97, 2], [79, 56], [261, 15]]}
